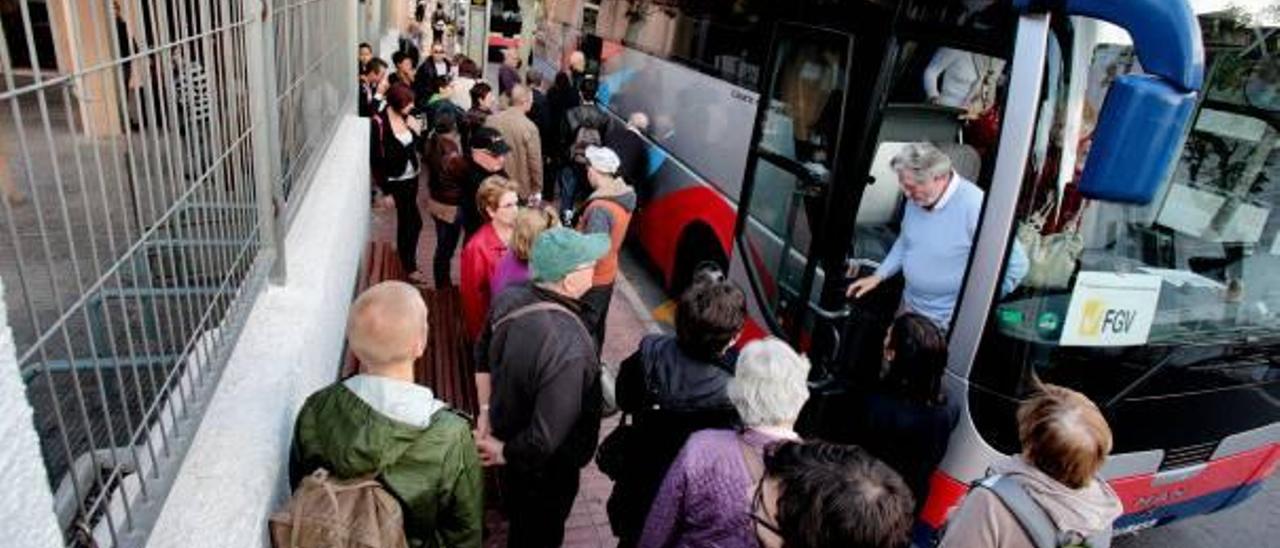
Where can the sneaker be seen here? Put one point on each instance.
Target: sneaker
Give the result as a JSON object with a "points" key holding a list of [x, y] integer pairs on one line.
{"points": [[609, 389]]}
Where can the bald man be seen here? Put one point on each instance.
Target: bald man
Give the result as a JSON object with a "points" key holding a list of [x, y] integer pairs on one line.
{"points": [[524, 164], [380, 423], [577, 69]]}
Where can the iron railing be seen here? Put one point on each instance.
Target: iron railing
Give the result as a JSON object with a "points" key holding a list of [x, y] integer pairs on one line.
{"points": [[139, 195]]}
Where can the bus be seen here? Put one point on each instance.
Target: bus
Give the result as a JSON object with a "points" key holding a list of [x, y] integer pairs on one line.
{"points": [[1142, 196]]}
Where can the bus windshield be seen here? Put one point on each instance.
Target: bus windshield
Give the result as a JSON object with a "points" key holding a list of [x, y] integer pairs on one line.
{"points": [[1147, 308]]}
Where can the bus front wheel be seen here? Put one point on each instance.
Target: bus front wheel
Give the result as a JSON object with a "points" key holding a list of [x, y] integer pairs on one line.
{"points": [[699, 250]]}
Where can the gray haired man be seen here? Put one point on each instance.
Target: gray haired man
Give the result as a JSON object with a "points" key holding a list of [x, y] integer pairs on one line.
{"points": [[938, 230]]}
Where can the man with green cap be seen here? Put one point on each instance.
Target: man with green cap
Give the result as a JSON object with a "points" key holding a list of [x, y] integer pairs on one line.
{"points": [[544, 412]]}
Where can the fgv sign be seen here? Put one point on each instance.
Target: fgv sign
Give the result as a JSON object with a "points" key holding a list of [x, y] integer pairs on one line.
{"points": [[1109, 309]]}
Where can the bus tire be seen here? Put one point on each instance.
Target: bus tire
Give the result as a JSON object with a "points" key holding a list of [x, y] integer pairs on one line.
{"points": [[699, 249]]}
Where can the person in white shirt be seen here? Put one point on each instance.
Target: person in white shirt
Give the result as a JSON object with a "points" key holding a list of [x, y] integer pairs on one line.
{"points": [[966, 78]]}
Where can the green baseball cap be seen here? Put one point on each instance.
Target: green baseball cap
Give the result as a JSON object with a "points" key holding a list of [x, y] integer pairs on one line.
{"points": [[559, 251]]}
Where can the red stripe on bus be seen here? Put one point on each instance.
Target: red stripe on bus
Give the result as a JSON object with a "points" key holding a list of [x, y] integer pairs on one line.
{"points": [[945, 493], [1139, 494], [1136, 492], [662, 222]]}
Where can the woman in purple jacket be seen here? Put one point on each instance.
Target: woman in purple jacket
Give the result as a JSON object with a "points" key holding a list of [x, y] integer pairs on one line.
{"points": [[705, 499]]}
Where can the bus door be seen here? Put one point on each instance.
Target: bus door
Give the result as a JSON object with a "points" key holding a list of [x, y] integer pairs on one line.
{"points": [[791, 166]]}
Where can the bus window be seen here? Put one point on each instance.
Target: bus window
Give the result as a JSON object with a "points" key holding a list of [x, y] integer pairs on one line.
{"points": [[1157, 312]]}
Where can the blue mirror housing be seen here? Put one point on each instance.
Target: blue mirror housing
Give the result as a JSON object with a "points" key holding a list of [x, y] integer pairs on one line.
{"points": [[1138, 139], [1144, 118]]}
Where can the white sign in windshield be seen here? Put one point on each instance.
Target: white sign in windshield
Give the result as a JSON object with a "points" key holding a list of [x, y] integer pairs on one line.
{"points": [[1111, 309]]}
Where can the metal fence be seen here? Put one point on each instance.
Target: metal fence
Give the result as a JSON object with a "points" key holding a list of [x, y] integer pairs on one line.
{"points": [[312, 84], [140, 190]]}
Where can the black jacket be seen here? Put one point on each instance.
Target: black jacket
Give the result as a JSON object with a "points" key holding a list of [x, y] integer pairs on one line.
{"points": [[910, 437], [632, 151], [423, 78], [388, 155], [669, 395], [546, 380], [541, 116], [559, 101], [367, 103], [476, 174]]}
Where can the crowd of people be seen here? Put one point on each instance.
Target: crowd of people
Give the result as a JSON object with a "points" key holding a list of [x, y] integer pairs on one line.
{"points": [[534, 184]]}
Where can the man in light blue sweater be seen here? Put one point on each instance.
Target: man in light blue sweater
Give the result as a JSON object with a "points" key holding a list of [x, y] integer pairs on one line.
{"points": [[938, 229]]}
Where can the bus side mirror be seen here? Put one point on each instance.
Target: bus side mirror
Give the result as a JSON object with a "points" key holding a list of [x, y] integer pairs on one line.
{"points": [[1137, 140]]}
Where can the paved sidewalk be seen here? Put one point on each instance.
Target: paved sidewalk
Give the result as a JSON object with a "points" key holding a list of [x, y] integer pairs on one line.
{"points": [[588, 525]]}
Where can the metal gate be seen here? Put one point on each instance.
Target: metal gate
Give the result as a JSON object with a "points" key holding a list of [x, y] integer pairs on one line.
{"points": [[144, 189]]}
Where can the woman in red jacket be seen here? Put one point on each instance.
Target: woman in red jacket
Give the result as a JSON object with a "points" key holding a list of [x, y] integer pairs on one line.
{"points": [[498, 204]]}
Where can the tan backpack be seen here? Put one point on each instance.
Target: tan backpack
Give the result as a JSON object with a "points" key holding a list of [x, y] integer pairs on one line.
{"points": [[328, 513]]}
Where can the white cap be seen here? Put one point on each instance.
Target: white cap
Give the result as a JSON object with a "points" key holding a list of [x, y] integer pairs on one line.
{"points": [[603, 159]]}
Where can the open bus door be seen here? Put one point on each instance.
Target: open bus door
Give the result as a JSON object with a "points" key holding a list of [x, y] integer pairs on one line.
{"points": [[792, 164]]}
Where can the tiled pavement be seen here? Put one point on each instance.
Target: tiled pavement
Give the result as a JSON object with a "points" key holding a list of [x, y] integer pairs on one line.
{"points": [[588, 525]]}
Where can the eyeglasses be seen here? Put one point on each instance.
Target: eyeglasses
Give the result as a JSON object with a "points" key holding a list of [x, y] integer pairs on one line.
{"points": [[508, 206], [758, 513]]}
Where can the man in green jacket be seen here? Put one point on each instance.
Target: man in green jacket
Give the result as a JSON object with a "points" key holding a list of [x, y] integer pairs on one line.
{"points": [[381, 422]]}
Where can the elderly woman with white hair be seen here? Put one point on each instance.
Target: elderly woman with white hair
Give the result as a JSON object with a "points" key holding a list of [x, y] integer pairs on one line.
{"points": [[705, 499]]}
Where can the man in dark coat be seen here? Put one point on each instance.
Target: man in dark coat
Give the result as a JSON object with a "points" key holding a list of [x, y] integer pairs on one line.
{"points": [[545, 406], [432, 68]]}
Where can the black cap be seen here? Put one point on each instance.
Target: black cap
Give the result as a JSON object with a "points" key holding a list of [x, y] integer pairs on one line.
{"points": [[489, 140]]}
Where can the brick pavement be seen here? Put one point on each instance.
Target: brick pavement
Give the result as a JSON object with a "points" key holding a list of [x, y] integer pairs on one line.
{"points": [[588, 525]]}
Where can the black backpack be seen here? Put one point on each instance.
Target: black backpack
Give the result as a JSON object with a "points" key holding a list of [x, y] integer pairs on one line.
{"points": [[586, 136]]}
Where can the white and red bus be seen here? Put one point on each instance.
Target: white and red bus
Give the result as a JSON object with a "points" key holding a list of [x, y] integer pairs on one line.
{"points": [[1145, 198]]}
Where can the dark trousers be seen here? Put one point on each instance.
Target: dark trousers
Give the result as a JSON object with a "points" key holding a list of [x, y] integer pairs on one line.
{"points": [[408, 221], [596, 311], [469, 218], [571, 185], [447, 236], [538, 503]]}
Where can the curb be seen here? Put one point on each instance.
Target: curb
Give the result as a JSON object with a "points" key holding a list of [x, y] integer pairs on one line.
{"points": [[628, 292]]}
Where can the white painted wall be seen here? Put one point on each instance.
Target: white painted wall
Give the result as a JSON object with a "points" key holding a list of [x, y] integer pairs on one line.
{"points": [[236, 472], [26, 506]]}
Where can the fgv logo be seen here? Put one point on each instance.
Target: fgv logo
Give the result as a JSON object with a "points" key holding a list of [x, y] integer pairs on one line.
{"points": [[1098, 319]]}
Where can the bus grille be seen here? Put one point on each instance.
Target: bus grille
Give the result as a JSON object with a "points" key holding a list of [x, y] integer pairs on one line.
{"points": [[1187, 456]]}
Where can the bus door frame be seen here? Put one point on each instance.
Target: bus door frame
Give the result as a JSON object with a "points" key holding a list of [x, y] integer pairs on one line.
{"points": [[795, 314], [969, 454]]}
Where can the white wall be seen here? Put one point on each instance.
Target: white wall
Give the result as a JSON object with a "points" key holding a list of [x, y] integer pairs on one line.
{"points": [[27, 503], [235, 473]]}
